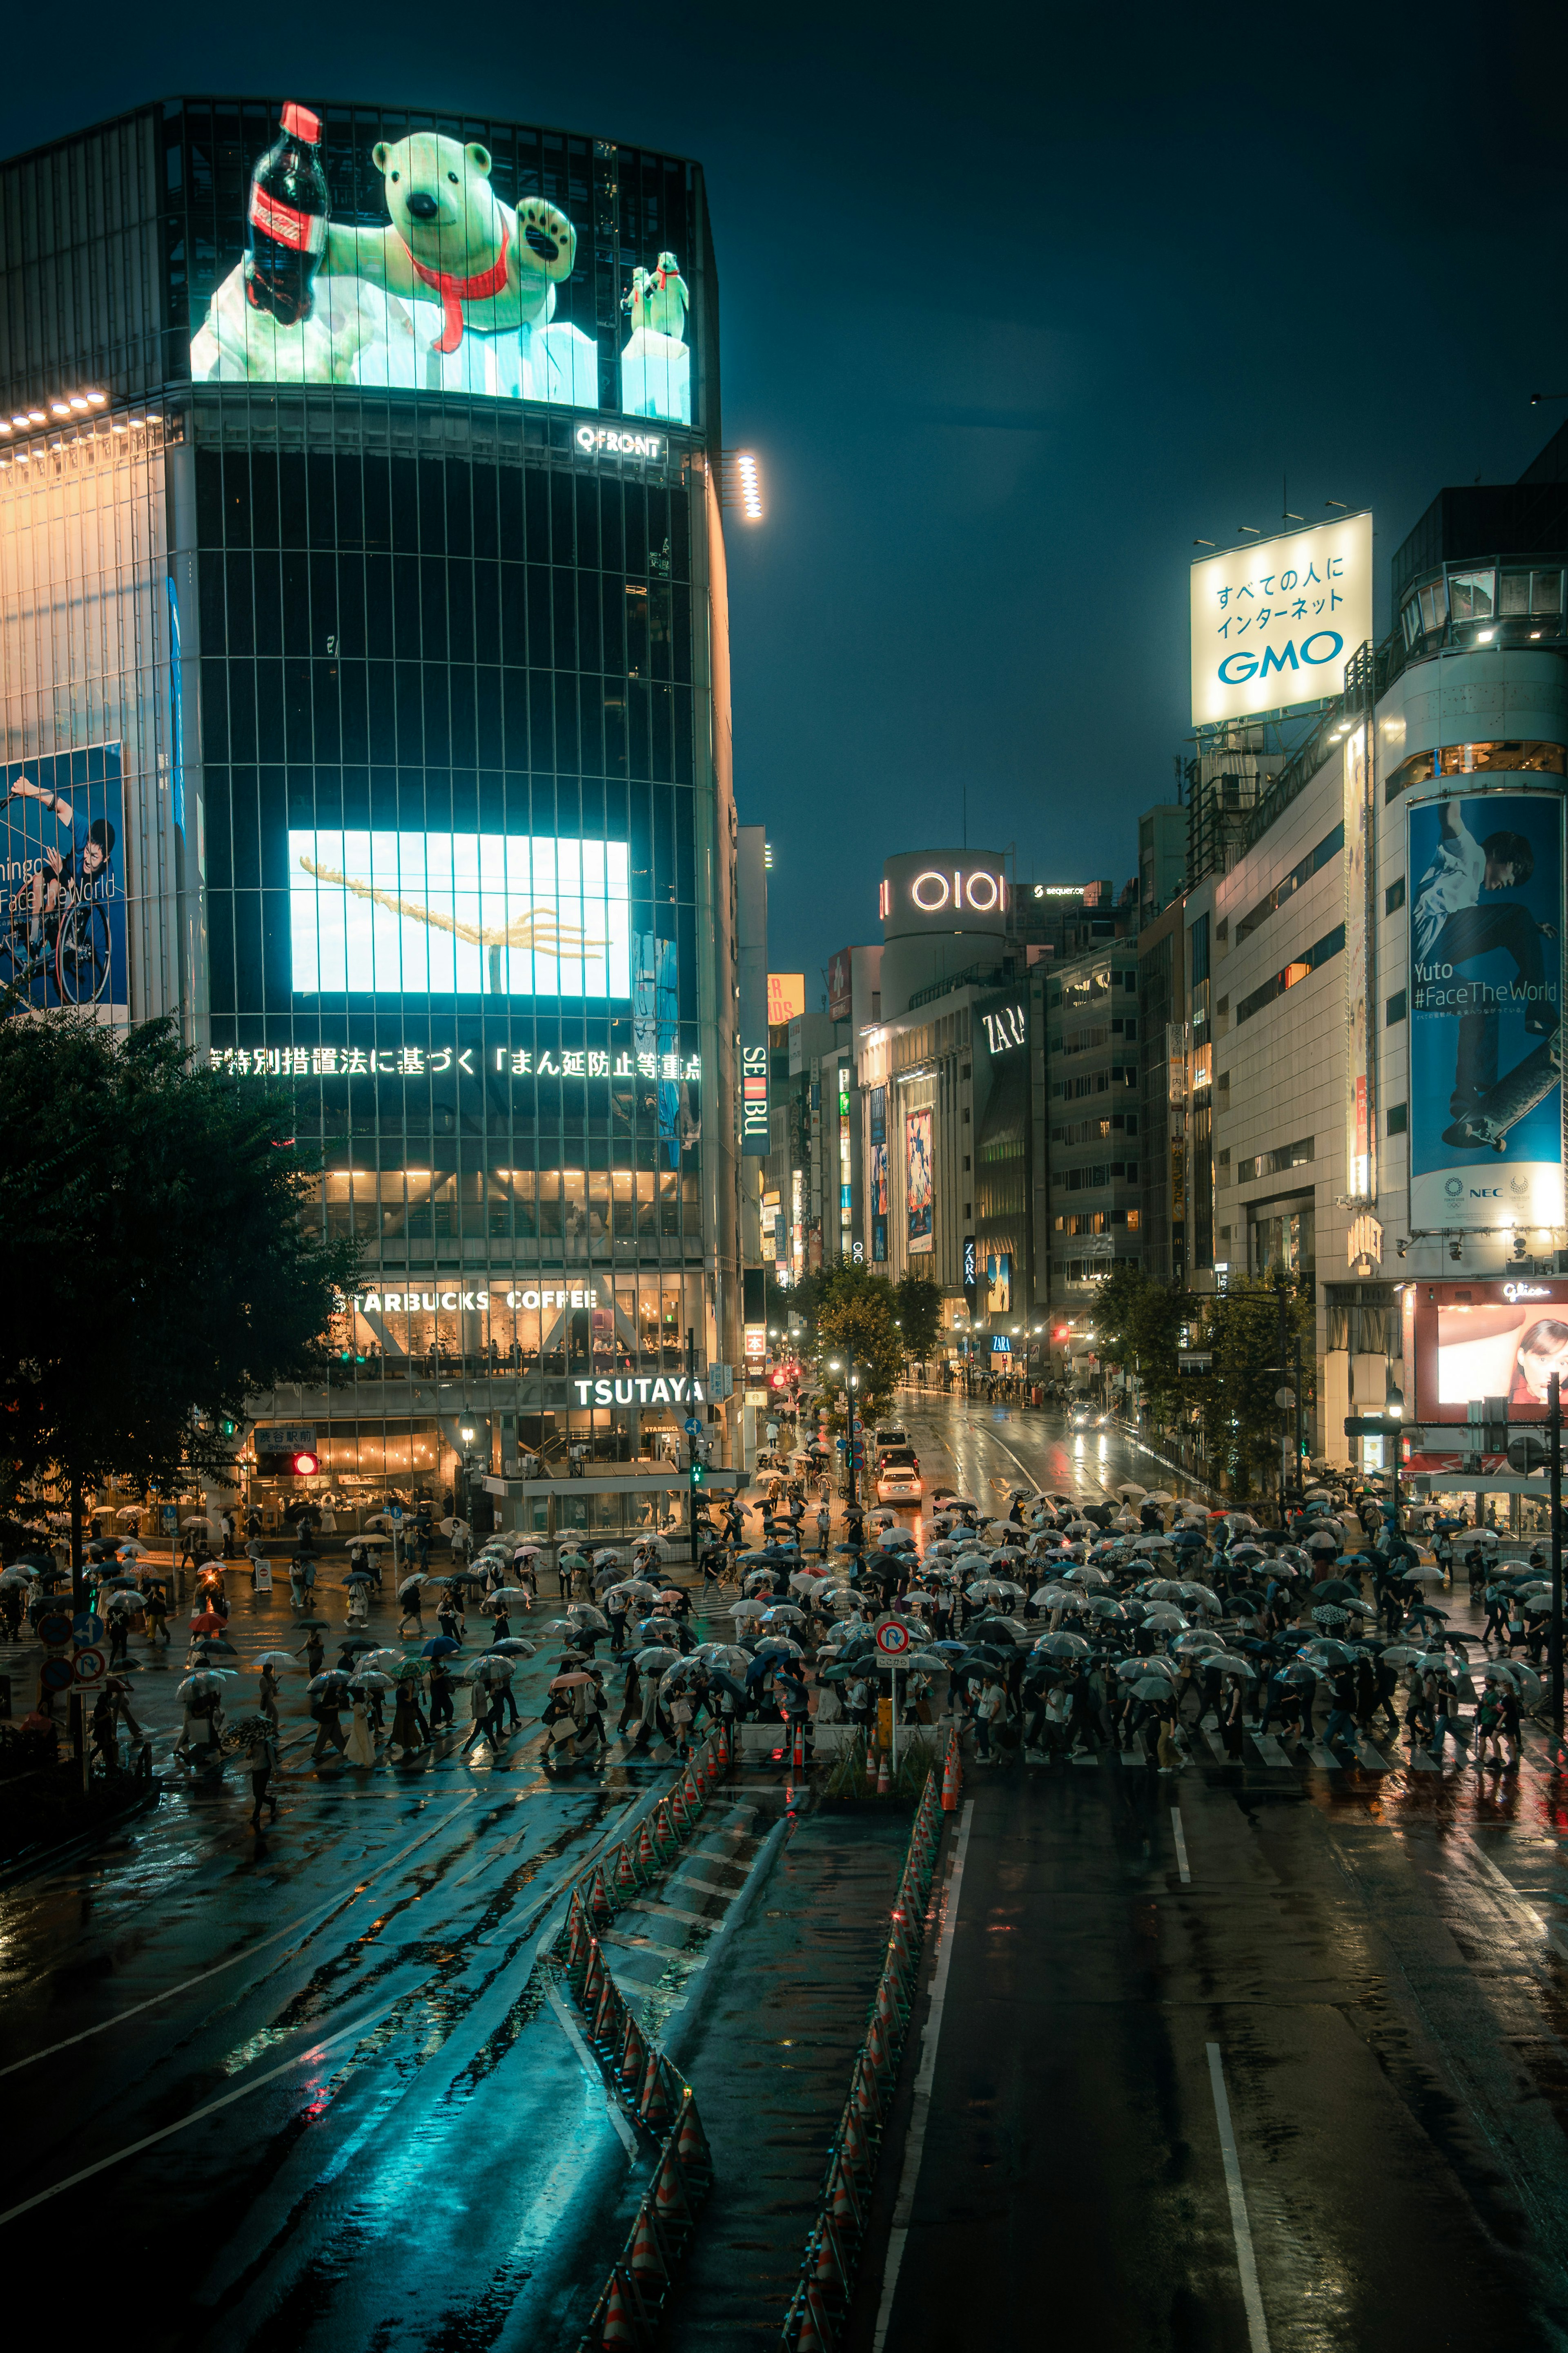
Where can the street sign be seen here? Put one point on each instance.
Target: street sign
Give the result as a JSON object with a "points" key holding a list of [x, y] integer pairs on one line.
{"points": [[87, 1628], [893, 1638], [394, 1513], [692, 1425], [54, 1631], [171, 1516], [1528, 1451], [55, 1674], [91, 1666]]}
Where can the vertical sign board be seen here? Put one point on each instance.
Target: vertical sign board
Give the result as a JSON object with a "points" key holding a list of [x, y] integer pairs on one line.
{"points": [[1275, 623], [1485, 882], [878, 1101], [1359, 1141], [752, 896], [920, 1188]]}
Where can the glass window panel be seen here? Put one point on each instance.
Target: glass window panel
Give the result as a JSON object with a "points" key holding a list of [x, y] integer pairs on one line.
{"points": [[1546, 592], [1515, 596]]}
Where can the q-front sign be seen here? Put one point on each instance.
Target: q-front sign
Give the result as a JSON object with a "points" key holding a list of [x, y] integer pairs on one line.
{"points": [[1274, 623]]}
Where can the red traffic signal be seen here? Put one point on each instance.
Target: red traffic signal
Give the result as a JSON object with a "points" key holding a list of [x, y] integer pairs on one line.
{"points": [[305, 1466]]}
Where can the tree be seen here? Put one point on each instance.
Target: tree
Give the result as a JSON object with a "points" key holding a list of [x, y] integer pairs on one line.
{"points": [[1139, 1323], [1243, 1325], [158, 1271], [917, 1303], [855, 1318]]}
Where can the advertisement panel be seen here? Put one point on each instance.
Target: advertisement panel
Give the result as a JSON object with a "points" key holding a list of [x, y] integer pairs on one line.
{"points": [[64, 938], [878, 1140], [1478, 1340], [1485, 886], [920, 1190], [786, 998], [1358, 1134], [839, 984], [426, 263], [1275, 622], [491, 915]]}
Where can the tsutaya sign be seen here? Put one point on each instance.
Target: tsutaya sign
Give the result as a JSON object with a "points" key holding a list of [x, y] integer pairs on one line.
{"points": [[646, 1388], [1274, 623]]}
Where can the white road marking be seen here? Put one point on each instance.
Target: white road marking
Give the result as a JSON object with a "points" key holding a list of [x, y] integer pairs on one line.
{"points": [[1241, 2229], [1180, 1846], [134, 2148], [578, 2040], [249, 1952], [930, 2034]]}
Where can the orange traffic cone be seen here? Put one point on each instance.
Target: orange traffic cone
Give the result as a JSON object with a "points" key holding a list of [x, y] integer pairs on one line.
{"points": [[654, 2105], [877, 2050], [663, 1829], [832, 2271], [843, 2200], [603, 1907], [887, 2007], [608, 2014], [626, 1871], [692, 2142], [647, 2253], [592, 1976], [576, 1950], [865, 2111], [679, 1820], [814, 2335], [884, 1780], [950, 1782], [623, 2315], [670, 2202], [648, 1858], [691, 1790], [634, 2055], [797, 1762]]}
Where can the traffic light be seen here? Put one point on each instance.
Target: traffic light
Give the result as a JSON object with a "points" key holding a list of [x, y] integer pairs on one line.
{"points": [[305, 1466], [229, 1428], [699, 1472]]}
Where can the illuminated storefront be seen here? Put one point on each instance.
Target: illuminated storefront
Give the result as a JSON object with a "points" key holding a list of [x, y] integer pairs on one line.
{"points": [[416, 705]]}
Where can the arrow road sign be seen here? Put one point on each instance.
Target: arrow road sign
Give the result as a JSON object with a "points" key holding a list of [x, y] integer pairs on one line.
{"points": [[90, 1666], [893, 1638]]}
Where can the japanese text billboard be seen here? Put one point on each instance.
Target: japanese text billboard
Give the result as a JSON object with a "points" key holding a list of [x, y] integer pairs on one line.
{"points": [[422, 914], [1274, 623], [64, 937], [878, 1101], [1485, 882], [417, 262], [920, 1190]]}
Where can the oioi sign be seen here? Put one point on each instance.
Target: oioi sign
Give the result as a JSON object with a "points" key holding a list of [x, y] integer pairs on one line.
{"points": [[1274, 623]]}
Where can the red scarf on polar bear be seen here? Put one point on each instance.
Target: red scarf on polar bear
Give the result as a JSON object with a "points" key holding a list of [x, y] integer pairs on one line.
{"points": [[456, 292]]}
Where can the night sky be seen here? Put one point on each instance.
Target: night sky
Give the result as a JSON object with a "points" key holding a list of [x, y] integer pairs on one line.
{"points": [[1015, 303]]}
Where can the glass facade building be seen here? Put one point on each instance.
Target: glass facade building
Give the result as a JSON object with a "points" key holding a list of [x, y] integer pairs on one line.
{"points": [[405, 633]]}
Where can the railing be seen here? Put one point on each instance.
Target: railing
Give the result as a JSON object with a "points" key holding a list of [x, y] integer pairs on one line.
{"points": [[837, 2234]]}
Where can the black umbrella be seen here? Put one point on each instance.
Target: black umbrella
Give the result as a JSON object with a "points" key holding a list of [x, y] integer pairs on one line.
{"points": [[1335, 1589]]}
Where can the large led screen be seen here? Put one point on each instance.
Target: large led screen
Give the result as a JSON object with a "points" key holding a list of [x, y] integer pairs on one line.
{"points": [[920, 1186], [471, 915], [404, 264], [1485, 882]]}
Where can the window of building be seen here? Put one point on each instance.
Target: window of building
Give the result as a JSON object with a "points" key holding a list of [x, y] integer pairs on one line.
{"points": [[1274, 1164], [1329, 846], [1394, 1011], [1472, 596], [1398, 1118], [1394, 897], [1476, 759], [1301, 970]]}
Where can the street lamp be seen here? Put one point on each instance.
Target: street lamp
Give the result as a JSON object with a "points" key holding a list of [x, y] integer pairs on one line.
{"points": [[834, 1366]]}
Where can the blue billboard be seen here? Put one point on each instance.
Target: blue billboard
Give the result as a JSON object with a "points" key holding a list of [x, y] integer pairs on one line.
{"points": [[62, 858]]}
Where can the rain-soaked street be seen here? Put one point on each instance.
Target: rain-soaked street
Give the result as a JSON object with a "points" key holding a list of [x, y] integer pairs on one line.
{"points": [[1267, 2054]]}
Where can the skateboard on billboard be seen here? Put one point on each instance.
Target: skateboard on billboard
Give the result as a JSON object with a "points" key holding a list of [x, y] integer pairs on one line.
{"points": [[1507, 1101]]}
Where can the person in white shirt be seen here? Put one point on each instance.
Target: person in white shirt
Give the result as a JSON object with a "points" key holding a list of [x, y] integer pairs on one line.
{"points": [[1453, 929]]}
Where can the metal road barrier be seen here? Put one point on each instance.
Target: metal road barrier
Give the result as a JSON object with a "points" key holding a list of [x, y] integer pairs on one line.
{"points": [[648, 2086], [821, 2301]]}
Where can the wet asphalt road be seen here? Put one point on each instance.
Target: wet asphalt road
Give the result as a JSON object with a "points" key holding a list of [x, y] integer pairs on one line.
{"points": [[1376, 1962], [379, 2132]]}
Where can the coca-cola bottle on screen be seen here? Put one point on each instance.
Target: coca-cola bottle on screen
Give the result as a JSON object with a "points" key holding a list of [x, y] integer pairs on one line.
{"points": [[288, 210]]}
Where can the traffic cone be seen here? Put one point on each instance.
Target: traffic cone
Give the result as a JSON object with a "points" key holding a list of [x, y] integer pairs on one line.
{"points": [[634, 2055], [603, 1907], [832, 2271], [865, 2109], [592, 1976], [691, 2143], [843, 2200], [626, 1871], [680, 1820], [648, 1858], [815, 2336], [884, 1780], [607, 2015], [877, 2050], [624, 2322], [647, 2254], [887, 2007], [797, 1762], [949, 1783], [691, 1790], [654, 2105], [663, 1830], [670, 2202], [577, 1949]]}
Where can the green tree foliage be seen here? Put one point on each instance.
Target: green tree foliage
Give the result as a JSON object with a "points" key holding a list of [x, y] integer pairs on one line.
{"points": [[1242, 1424], [855, 1314], [158, 1271], [917, 1303]]}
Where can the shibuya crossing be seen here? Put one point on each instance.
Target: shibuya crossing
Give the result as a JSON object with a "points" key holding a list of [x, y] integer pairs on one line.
{"points": [[406, 688]]}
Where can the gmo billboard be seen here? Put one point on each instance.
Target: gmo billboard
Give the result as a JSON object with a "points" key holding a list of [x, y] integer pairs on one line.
{"points": [[1274, 623]]}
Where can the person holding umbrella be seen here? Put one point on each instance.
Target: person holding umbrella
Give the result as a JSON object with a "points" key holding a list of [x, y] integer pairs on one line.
{"points": [[408, 1603], [261, 1761], [312, 1653], [267, 1701], [440, 1695], [327, 1693], [410, 1732], [449, 1613]]}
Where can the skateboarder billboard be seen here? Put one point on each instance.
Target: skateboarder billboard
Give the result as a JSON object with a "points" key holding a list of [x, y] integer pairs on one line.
{"points": [[1486, 1000]]}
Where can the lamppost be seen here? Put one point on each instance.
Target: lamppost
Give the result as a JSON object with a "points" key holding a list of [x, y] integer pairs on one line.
{"points": [[850, 1377]]}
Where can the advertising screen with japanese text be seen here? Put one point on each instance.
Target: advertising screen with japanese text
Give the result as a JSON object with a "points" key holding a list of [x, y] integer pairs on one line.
{"points": [[371, 252], [1274, 623]]}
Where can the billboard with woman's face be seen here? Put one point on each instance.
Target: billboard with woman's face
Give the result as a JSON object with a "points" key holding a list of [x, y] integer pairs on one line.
{"points": [[1502, 1338]]}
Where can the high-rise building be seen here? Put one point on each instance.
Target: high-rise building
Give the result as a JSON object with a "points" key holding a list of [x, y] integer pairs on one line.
{"points": [[363, 584]]}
